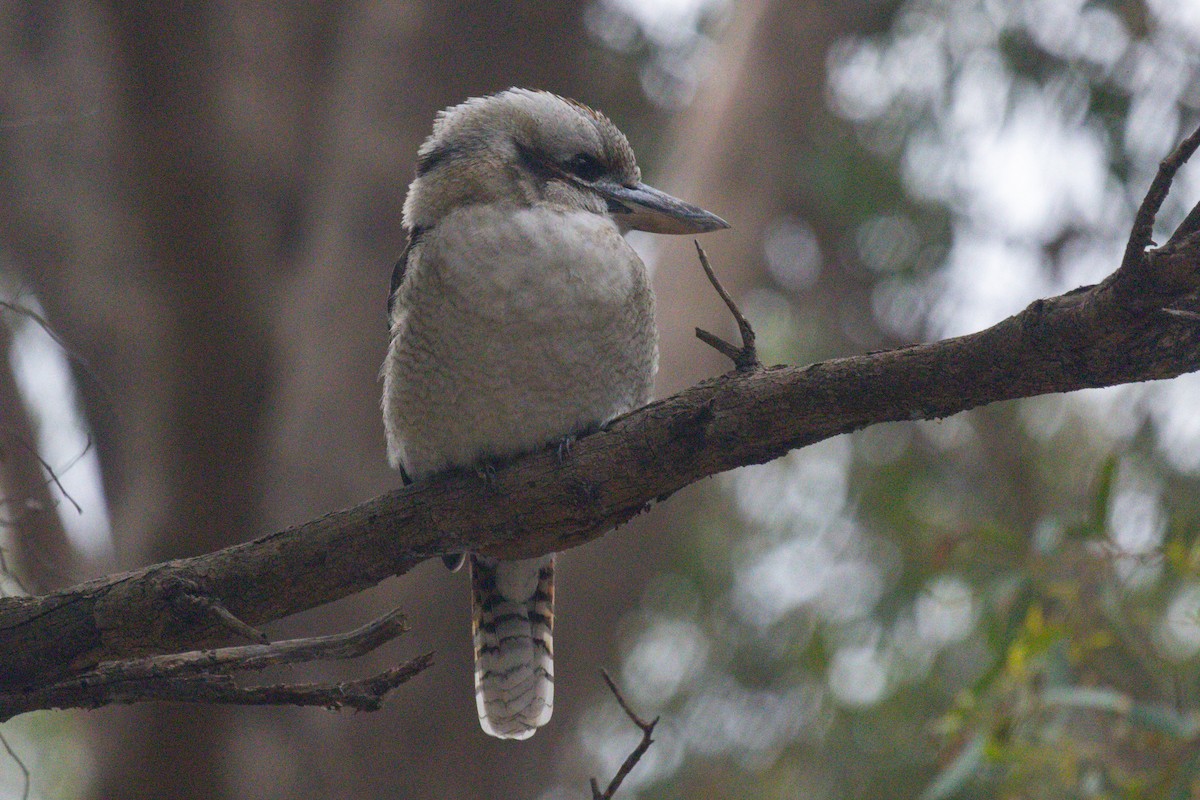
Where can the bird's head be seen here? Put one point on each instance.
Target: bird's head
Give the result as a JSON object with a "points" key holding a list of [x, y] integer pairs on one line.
{"points": [[527, 147]]}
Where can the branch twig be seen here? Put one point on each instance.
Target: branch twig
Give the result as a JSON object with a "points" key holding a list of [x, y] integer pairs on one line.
{"points": [[198, 603], [206, 675], [365, 694], [745, 358], [634, 757], [70, 352], [52, 475], [1143, 223]]}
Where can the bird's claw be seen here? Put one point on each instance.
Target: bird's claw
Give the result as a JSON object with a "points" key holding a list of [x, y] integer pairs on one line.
{"points": [[564, 447]]}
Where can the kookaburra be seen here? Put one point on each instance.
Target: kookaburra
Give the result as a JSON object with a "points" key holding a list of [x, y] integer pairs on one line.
{"points": [[519, 317]]}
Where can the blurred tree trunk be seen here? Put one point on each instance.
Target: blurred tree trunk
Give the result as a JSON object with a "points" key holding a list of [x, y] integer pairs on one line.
{"points": [[162, 298], [119, 215], [209, 379], [36, 550]]}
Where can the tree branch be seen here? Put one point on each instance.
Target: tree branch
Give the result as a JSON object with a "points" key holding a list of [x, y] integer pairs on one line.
{"points": [[744, 358], [1113, 333], [1143, 223], [631, 760], [206, 675]]}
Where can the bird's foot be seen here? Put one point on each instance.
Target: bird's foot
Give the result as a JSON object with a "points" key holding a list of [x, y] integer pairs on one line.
{"points": [[567, 442]]}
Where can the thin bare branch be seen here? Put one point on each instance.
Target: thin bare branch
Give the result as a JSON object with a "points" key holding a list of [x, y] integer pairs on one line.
{"points": [[206, 675], [50, 473], [1140, 237], [39, 320], [612, 687], [71, 353], [366, 694], [647, 729], [339, 646], [40, 550], [745, 358]]}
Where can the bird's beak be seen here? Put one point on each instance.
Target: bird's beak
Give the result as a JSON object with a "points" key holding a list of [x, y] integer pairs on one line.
{"points": [[645, 208]]}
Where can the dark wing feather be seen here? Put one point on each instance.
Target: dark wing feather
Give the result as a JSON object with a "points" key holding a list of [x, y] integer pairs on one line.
{"points": [[398, 271]]}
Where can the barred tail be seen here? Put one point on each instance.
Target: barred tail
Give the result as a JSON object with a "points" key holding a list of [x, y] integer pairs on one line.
{"points": [[512, 617]]}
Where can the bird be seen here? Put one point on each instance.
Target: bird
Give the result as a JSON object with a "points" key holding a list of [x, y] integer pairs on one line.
{"points": [[519, 317]]}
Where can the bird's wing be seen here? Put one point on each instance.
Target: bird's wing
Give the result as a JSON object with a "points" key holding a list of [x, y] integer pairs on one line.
{"points": [[401, 268]]}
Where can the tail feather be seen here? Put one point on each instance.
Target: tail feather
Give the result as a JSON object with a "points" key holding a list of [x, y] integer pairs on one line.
{"points": [[512, 616]]}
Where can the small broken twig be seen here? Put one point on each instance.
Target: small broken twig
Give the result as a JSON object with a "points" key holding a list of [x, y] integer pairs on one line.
{"points": [[1143, 223], [633, 758], [204, 604], [745, 358]]}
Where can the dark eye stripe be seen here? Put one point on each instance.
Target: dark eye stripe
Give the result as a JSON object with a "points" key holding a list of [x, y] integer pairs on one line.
{"points": [[581, 165], [586, 167], [532, 161]]}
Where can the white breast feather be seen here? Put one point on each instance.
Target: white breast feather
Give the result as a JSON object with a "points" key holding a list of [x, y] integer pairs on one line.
{"points": [[515, 327]]}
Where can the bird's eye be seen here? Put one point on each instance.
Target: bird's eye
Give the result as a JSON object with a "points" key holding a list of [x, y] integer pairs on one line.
{"points": [[584, 166]]}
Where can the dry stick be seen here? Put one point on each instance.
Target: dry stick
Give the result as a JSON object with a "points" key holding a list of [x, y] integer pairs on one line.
{"points": [[1143, 223], [233, 623], [71, 353], [633, 758], [203, 675], [253, 657], [366, 694], [40, 321], [745, 358], [210, 605]]}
